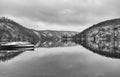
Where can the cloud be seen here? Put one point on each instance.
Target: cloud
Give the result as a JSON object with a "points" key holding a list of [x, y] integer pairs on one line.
{"points": [[65, 12]]}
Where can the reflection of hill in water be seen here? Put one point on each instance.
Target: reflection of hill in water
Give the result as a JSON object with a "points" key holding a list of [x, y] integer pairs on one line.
{"points": [[7, 55], [54, 43], [11, 31], [102, 38]]}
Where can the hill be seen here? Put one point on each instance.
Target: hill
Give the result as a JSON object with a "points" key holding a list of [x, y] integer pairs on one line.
{"points": [[11, 31]]}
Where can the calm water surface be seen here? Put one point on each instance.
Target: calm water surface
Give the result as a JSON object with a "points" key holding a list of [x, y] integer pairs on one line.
{"points": [[60, 62]]}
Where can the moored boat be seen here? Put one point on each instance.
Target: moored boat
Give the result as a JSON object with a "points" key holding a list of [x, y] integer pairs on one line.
{"points": [[15, 45]]}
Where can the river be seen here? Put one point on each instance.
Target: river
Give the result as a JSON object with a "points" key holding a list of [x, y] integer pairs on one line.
{"points": [[73, 61]]}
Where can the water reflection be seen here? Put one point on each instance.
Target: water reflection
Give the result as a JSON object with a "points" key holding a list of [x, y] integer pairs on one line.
{"points": [[8, 55], [102, 38], [56, 43], [9, 51], [69, 61]]}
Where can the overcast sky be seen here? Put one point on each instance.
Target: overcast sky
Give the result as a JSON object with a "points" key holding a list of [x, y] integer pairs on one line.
{"points": [[60, 14]]}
